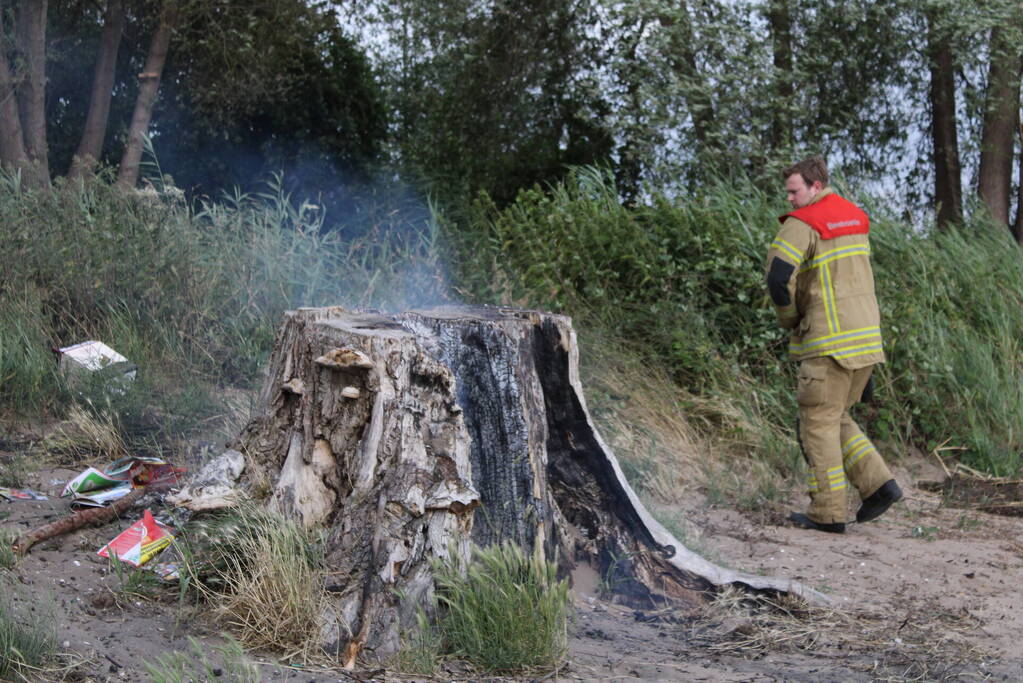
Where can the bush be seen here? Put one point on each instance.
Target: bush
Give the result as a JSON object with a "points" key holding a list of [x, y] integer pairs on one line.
{"points": [[506, 612]]}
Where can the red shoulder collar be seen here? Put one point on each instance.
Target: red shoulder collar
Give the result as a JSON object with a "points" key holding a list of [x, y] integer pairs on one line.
{"points": [[832, 216]]}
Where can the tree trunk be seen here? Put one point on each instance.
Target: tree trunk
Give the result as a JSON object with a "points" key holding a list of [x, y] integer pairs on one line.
{"points": [[1001, 116], [682, 45], [90, 148], [1017, 229], [12, 140], [948, 184], [149, 87], [412, 436], [31, 31], [780, 21]]}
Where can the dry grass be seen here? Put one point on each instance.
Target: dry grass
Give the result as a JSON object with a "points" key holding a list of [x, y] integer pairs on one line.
{"points": [[261, 576], [672, 443], [902, 644], [84, 436]]}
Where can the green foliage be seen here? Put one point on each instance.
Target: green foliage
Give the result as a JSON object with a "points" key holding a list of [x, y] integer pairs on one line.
{"points": [[28, 636], [506, 611], [421, 648], [229, 664], [134, 582]]}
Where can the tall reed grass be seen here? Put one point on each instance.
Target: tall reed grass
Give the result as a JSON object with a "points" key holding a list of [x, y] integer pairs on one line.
{"points": [[191, 293]]}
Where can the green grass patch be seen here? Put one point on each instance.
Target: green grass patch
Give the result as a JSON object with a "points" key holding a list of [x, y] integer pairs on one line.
{"points": [[229, 663], [506, 611], [28, 636]]}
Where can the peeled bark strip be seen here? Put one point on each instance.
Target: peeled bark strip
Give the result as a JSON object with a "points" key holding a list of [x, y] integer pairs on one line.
{"points": [[412, 436]]}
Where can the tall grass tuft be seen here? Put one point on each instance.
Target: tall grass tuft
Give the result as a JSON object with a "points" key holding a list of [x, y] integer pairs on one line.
{"points": [[260, 575], [28, 637], [506, 612]]}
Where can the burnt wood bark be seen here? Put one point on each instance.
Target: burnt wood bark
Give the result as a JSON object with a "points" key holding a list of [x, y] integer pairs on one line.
{"points": [[412, 436]]}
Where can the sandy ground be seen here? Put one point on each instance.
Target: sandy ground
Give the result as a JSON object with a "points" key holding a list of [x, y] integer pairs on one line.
{"points": [[927, 592]]}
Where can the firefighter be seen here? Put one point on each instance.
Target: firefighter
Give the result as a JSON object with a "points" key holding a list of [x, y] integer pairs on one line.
{"points": [[820, 281]]}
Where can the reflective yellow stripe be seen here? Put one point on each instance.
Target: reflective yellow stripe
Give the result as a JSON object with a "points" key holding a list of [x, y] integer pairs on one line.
{"points": [[855, 455], [848, 335], [828, 294], [853, 351], [842, 345], [789, 250], [836, 478], [835, 254], [851, 443]]}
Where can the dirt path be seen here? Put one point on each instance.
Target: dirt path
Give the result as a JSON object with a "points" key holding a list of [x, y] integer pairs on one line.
{"points": [[925, 593]]}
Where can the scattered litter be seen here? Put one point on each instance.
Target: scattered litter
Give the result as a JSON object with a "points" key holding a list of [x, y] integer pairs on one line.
{"points": [[99, 360], [214, 487], [102, 497], [137, 544], [94, 487], [21, 494], [91, 479], [168, 571]]}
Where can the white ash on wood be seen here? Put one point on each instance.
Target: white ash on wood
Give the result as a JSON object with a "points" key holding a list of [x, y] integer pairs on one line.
{"points": [[412, 436]]}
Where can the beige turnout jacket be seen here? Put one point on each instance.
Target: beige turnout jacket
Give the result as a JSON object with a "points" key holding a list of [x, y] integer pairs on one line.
{"points": [[823, 289]]}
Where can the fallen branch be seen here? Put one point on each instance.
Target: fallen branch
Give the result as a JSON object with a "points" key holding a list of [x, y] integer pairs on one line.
{"points": [[77, 521]]}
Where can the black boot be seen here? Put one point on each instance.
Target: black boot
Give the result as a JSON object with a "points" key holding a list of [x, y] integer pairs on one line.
{"points": [[879, 501], [804, 522]]}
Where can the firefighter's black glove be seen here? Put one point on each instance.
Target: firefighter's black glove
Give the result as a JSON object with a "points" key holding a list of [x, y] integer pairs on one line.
{"points": [[868, 391]]}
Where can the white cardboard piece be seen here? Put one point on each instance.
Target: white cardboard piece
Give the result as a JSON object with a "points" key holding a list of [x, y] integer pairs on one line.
{"points": [[93, 356]]}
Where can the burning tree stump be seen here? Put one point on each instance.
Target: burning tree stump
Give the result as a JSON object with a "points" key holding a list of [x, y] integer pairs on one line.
{"points": [[412, 436]]}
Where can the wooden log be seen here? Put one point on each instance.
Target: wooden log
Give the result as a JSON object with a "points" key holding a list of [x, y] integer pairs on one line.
{"points": [[412, 436], [77, 521]]}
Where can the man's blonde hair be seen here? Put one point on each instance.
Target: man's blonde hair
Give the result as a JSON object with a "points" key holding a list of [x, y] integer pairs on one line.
{"points": [[811, 170]]}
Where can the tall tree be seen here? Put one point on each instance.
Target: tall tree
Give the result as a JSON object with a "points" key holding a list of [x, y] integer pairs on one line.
{"points": [[948, 185], [31, 32], [779, 21], [149, 87], [23, 123], [90, 148], [1017, 229], [1001, 118], [12, 138]]}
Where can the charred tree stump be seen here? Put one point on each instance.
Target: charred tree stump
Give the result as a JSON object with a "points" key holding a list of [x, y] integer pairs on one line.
{"points": [[410, 437]]}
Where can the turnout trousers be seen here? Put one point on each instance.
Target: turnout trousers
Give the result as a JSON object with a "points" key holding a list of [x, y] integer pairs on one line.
{"points": [[836, 450]]}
